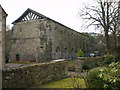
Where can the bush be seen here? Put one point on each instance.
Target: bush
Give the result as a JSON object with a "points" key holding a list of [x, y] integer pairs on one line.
{"points": [[108, 59], [93, 80], [111, 76], [80, 53], [105, 77]]}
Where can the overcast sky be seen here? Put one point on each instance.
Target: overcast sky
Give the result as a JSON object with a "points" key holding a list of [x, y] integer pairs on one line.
{"points": [[63, 11]]}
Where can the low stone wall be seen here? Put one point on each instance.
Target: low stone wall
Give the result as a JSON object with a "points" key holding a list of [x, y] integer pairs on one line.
{"points": [[38, 74], [93, 61], [33, 75], [90, 62]]}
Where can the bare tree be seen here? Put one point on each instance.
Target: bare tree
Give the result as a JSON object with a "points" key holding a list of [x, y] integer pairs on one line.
{"points": [[101, 14]]}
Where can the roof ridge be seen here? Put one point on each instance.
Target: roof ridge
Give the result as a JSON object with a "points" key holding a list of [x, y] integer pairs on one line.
{"points": [[3, 9]]}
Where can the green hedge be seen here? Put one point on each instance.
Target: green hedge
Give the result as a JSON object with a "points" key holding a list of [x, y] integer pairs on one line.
{"points": [[111, 76], [93, 80], [104, 77]]}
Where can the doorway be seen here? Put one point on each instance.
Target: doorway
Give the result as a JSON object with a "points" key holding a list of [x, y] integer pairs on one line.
{"points": [[17, 57]]}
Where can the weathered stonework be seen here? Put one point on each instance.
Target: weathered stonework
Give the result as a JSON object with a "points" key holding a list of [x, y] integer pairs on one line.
{"points": [[33, 75], [118, 38], [3, 16], [88, 62], [43, 39], [38, 74]]}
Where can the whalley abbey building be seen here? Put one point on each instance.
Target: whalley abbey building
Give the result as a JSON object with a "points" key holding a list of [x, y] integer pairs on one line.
{"points": [[35, 37]]}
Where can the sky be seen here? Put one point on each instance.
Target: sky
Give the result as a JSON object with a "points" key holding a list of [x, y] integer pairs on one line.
{"points": [[63, 11]]}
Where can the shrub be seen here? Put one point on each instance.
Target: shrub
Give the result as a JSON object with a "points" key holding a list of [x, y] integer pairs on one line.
{"points": [[111, 76], [109, 59], [93, 80], [80, 53], [105, 77], [98, 63]]}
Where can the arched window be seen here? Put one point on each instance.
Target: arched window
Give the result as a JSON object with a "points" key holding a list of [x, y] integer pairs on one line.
{"points": [[58, 53], [65, 50], [57, 49], [72, 50], [75, 50]]}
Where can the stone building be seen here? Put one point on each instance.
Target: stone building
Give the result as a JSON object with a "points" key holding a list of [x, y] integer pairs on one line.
{"points": [[39, 38], [3, 16], [118, 36], [0, 59]]}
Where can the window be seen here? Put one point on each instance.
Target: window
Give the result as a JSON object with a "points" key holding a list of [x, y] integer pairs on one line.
{"points": [[61, 32], [57, 49], [64, 31], [56, 27], [20, 30], [41, 47]]}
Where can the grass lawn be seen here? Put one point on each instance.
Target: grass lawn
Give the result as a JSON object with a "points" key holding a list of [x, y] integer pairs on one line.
{"points": [[67, 83]]}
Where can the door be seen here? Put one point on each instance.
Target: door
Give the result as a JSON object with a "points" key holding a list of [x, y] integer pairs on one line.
{"points": [[17, 57]]}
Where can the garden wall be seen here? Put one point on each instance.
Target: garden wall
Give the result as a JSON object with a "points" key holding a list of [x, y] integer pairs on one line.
{"points": [[38, 74], [34, 75], [86, 62]]}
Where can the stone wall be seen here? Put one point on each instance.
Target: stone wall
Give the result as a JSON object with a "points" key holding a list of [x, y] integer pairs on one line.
{"points": [[0, 49], [34, 75], [65, 41], [3, 16], [118, 42], [88, 62], [38, 74], [31, 39], [45, 39]]}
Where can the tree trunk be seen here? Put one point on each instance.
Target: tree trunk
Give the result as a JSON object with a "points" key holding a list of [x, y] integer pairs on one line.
{"points": [[107, 40], [115, 43]]}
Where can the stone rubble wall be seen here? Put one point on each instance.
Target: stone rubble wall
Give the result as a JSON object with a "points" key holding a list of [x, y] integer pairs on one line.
{"points": [[2, 36], [44, 40], [91, 62], [33, 75], [38, 74]]}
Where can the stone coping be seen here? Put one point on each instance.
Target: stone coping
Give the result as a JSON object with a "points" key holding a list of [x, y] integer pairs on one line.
{"points": [[18, 66]]}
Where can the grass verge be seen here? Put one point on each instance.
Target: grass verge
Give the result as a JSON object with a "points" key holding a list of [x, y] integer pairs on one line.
{"points": [[71, 82]]}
